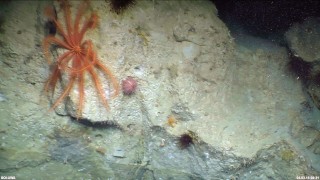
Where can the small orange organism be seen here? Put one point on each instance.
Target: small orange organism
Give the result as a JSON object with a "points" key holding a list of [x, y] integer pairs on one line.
{"points": [[171, 121]]}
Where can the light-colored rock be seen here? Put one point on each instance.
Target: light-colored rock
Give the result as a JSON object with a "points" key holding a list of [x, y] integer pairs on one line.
{"points": [[238, 103], [316, 148], [308, 136], [303, 39], [119, 153]]}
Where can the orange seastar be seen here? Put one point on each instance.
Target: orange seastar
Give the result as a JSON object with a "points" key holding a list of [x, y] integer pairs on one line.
{"points": [[78, 58]]}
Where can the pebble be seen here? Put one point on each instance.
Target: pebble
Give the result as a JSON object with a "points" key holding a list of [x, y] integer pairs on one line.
{"points": [[2, 97], [118, 153]]}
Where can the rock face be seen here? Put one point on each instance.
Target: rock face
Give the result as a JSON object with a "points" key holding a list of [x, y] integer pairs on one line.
{"points": [[237, 103], [168, 56], [303, 39]]}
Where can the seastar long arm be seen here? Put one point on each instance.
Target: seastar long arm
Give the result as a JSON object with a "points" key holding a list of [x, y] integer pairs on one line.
{"points": [[98, 86], [51, 15], [111, 77], [81, 93], [88, 24], [65, 92], [67, 15], [52, 81], [52, 40], [104, 69], [80, 13]]}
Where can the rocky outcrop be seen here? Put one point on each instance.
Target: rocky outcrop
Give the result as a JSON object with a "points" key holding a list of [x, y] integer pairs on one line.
{"points": [[304, 39]]}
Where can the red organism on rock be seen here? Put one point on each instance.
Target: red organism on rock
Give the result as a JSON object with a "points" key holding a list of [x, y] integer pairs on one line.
{"points": [[129, 85]]}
